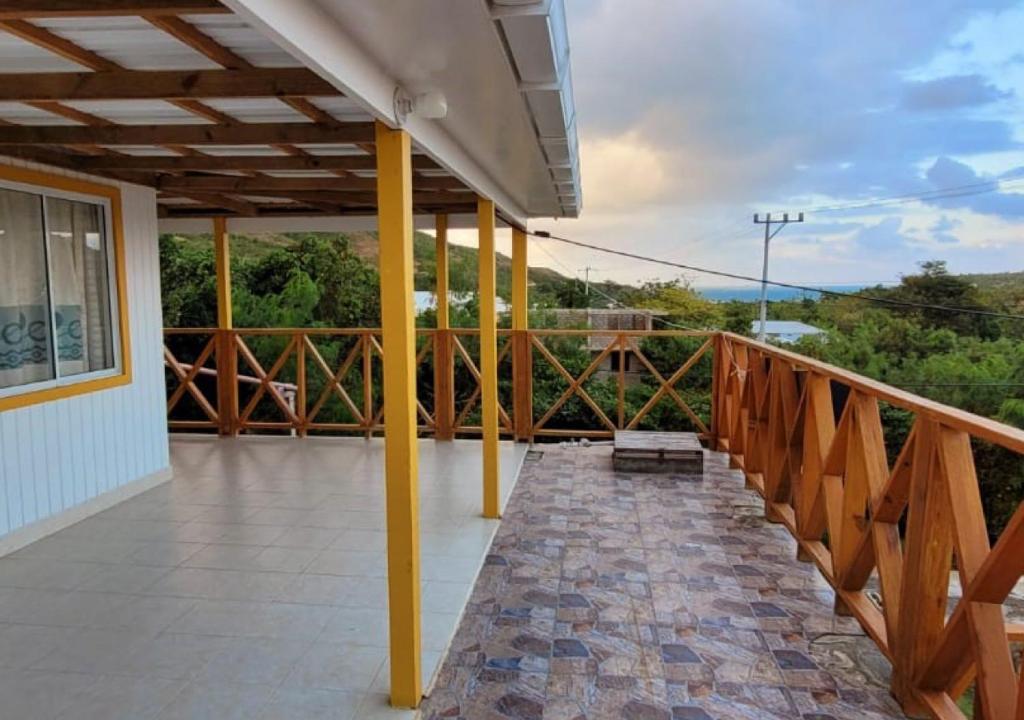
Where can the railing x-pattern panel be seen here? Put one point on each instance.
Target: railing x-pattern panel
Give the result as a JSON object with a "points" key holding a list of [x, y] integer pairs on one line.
{"points": [[831, 483], [620, 345], [888, 512]]}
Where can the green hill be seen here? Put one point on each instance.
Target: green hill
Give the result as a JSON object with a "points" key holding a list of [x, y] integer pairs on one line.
{"points": [[462, 260]]}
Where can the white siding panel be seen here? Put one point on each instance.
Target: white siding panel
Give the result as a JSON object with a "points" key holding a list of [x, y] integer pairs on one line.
{"points": [[54, 456]]}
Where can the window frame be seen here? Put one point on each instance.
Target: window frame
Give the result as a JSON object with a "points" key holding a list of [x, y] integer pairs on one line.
{"points": [[108, 197]]}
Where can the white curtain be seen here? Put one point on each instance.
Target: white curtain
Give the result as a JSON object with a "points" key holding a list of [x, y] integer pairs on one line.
{"points": [[81, 297], [26, 354]]}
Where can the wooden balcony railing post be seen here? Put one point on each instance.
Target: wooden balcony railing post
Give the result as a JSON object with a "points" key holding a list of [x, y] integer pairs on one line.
{"points": [[522, 385], [444, 385], [716, 390], [227, 383], [928, 550], [300, 382], [368, 414]]}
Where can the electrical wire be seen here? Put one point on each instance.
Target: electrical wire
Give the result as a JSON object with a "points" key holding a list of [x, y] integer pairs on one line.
{"points": [[613, 300], [954, 191], [806, 288]]}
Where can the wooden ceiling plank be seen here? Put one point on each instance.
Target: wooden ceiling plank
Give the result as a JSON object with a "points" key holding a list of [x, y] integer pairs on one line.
{"points": [[28, 9], [43, 38], [164, 85], [215, 51], [199, 41], [66, 111], [197, 162], [243, 134], [227, 183], [238, 205]]}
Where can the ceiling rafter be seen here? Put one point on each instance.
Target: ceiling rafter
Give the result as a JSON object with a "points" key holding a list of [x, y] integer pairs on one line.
{"points": [[242, 134], [165, 85], [29, 9], [266, 183], [43, 38], [202, 43], [211, 194], [211, 163]]}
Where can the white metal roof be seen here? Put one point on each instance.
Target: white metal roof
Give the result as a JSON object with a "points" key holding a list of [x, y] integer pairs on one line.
{"points": [[503, 66], [785, 327]]}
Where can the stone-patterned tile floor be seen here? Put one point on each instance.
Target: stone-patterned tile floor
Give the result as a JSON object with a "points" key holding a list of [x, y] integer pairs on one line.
{"points": [[650, 597]]}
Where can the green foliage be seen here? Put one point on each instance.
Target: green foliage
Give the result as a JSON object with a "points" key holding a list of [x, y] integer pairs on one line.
{"points": [[189, 284], [314, 279], [682, 304]]}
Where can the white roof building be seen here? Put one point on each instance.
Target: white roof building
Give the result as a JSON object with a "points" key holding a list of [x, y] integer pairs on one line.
{"points": [[786, 331]]}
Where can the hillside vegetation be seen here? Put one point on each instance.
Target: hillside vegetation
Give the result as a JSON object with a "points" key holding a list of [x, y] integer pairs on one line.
{"points": [[966, 356]]}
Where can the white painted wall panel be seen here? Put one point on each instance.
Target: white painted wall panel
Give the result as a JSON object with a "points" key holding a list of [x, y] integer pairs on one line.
{"points": [[54, 456]]}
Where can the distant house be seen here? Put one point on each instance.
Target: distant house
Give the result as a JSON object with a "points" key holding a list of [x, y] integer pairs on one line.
{"points": [[426, 300], [609, 319], [784, 331]]}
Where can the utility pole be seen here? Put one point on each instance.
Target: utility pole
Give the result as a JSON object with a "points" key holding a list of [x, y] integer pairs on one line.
{"points": [[586, 281], [768, 235]]}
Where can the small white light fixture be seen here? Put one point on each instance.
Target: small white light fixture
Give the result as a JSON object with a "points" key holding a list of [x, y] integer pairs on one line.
{"points": [[431, 105]]}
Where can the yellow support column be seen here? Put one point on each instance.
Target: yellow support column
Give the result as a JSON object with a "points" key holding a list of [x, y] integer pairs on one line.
{"points": [[488, 287], [441, 252], [227, 359], [398, 323], [444, 357], [222, 254], [519, 287], [522, 353]]}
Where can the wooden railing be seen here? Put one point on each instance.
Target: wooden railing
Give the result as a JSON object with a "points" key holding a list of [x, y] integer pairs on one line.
{"points": [[889, 510], [231, 381], [810, 438]]}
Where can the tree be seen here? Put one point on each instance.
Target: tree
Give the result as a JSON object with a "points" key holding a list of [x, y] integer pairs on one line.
{"points": [[936, 286]]}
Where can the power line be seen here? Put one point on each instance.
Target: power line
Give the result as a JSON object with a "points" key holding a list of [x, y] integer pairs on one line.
{"points": [[616, 301], [953, 191], [806, 288]]}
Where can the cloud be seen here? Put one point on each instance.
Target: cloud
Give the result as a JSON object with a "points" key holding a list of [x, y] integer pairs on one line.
{"points": [[710, 86], [622, 171], [941, 230], [694, 115], [981, 198], [882, 237], [951, 92]]}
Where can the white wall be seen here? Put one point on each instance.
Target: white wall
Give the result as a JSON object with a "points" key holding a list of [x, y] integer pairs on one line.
{"points": [[55, 456]]}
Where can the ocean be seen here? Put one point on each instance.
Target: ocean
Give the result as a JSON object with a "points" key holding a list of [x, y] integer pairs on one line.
{"points": [[752, 293]]}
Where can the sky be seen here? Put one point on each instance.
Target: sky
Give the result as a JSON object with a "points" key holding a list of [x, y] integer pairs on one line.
{"points": [[692, 115]]}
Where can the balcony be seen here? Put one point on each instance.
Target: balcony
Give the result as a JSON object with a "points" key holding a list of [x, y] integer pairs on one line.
{"points": [[871, 528]]}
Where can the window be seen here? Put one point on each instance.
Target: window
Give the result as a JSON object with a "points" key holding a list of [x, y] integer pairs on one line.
{"points": [[59, 310]]}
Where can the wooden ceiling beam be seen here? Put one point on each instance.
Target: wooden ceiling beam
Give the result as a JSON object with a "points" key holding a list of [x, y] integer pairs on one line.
{"points": [[264, 183], [164, 85], [237, 205], [242, 134], [28, 9], [205, 45], [286, 210], [335, 198], [271, 163], [41, 37], [199, 41]]}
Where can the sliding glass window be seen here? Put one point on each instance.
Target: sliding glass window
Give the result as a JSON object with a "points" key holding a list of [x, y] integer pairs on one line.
{"points": [[58, 321]]}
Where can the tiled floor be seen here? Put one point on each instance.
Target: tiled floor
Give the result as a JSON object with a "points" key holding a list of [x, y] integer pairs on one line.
{"points": [[645, 597], [251, 586]]}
